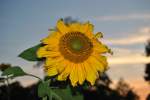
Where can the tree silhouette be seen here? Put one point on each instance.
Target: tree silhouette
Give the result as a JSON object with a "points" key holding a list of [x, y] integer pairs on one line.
{"points": [[17, 92], [147, 70], [104, 92], [125, 91], [122, 87], [4, 66]]}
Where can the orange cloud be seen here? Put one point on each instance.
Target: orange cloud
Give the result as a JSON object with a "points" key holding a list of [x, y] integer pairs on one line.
{"points": [[129, 59], [124, 56]]}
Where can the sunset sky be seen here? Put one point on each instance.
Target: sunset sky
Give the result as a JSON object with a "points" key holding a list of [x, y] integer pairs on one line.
{"points": [[125, 24]]}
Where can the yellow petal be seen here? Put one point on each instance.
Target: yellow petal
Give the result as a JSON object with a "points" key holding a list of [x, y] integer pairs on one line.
{"points": [[87, 28], [74, 75], [62, 27], [75, 27], [93, 68], [54, 54], [97, 64], [103, 60], [48, 51], [42, 52], [61, 67], [81, 74], [65, 73], [99, 47], [90, 30], [51, 61], [91, 75], [55, 62], [51, 70], [52, 38], [52, 48]]}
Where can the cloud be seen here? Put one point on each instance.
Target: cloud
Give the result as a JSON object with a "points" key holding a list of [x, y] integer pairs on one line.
{"points": [[145, 30], [128, 40], [124, 56], [129, 59], [126, 51], [136, 16], [139, 37]]}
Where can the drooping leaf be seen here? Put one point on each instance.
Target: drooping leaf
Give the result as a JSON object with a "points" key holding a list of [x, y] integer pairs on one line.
{"points": [[13, 72], [30, 54]]}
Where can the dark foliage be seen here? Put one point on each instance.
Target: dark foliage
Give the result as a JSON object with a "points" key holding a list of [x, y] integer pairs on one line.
{"points": [[17, 92], [102, 92], [147, 70], [4, 66], [148, 97]]}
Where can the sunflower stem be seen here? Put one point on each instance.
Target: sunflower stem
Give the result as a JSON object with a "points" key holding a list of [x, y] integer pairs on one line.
{"points": [[44, 98], [34, 76], [8, 88]]}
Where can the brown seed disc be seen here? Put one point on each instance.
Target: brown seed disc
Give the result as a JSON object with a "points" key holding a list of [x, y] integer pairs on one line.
{"points": [[75, 47]]}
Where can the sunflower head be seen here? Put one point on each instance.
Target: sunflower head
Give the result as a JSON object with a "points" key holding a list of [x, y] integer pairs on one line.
{"points": [[73, 51]]}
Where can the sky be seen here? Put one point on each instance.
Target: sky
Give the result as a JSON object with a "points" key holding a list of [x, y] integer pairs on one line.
{"points": [[125, 25]]}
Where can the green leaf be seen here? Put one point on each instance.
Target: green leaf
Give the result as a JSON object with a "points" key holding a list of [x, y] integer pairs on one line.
{"points": [[55, 96], [44, 90], [66, 94], [13, 71], [30, 54], [44, 98]]}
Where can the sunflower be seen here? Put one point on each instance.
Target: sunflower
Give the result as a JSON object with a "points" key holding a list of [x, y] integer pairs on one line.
{"points": [[73, 51]]}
